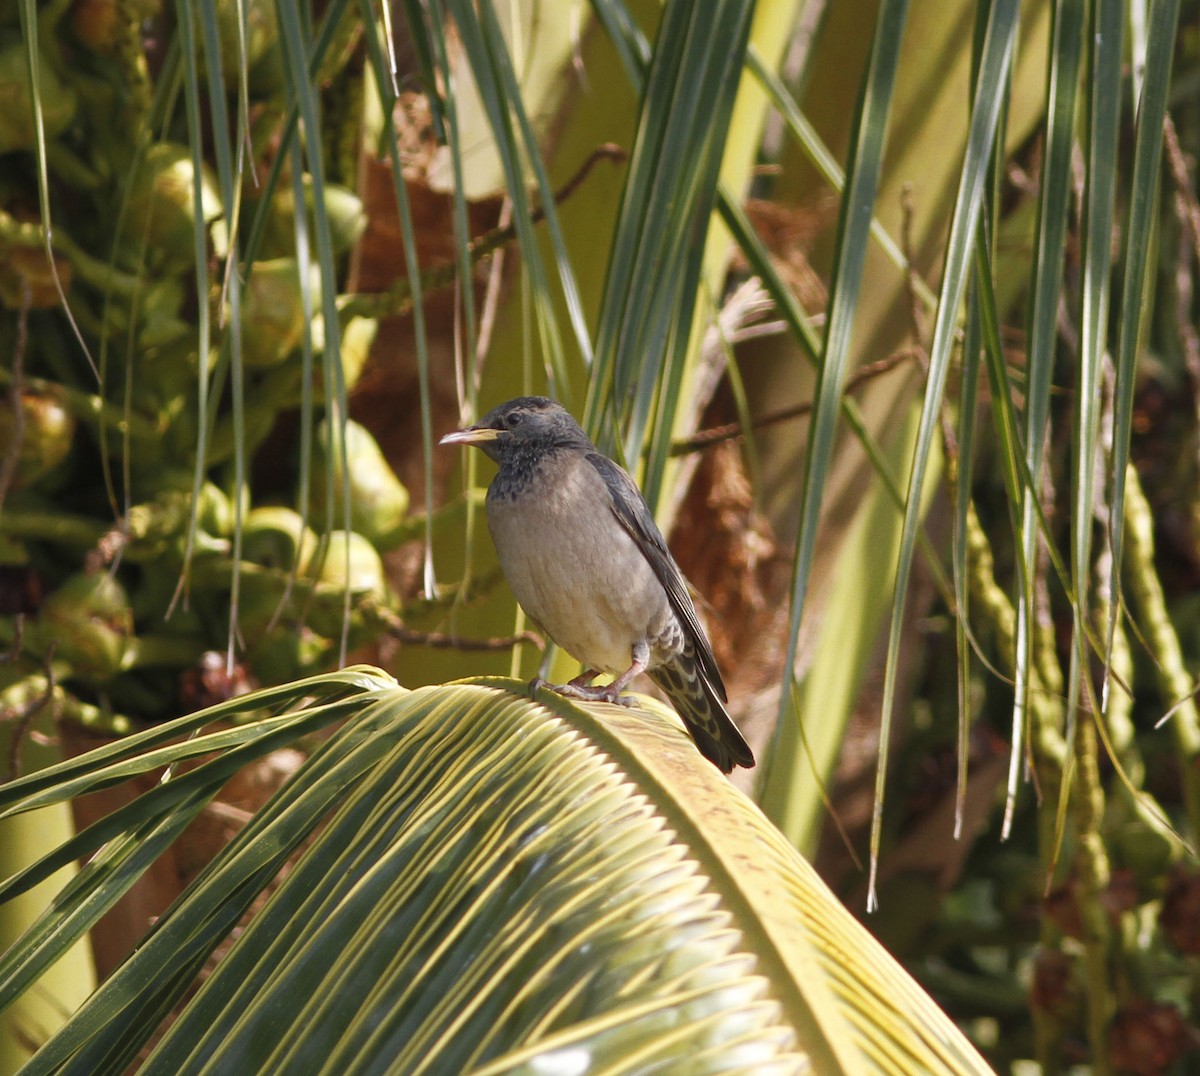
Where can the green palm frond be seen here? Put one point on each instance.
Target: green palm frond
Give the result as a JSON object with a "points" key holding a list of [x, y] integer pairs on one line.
{"points": [[488, 884]]}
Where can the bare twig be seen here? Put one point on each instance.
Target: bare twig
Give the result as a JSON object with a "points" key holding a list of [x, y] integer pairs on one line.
{"points": [[1188, 211], [916, 309], [733, 430], [398, 299], [501, 236], [742, 311], [491, 304], [1181, 175], [1189, 339]]}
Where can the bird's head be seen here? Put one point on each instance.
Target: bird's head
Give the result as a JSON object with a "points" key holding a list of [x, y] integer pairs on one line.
{"points": [[520, 428]]}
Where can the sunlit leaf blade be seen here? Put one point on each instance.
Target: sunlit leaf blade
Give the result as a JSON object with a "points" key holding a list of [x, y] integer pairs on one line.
{"points": [[808, 137], [854, 222], [491, 66], [229, 181], [987, 103], [1054, 199], [240, 747], [1143, 203], [712, 85], [654, 265], [1004, 416], [968, 403], [806, 337], [960, 461], [51, 783], [1103, 118], [138, 994], [501, 885], [296, 51], [103, 880], [627, 39], [1017, 487], [412, 267], [509, 88], [187, 45], [462, 230]]}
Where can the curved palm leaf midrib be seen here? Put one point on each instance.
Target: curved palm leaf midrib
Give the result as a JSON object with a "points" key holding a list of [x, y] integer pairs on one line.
{"points": [[798, 932]]}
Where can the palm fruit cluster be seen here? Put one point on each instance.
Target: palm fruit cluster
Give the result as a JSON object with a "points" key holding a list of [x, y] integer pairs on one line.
{"points": [[116, 581]]}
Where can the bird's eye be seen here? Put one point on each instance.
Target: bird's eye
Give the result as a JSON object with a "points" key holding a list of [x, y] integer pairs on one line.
{"points": [[513, 419]]}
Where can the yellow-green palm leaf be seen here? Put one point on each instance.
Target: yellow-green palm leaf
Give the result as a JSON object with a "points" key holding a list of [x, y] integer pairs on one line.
{"points": [[491, 884]]}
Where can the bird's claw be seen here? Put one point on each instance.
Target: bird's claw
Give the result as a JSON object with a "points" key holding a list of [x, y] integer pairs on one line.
{"points": [[585, 692]]}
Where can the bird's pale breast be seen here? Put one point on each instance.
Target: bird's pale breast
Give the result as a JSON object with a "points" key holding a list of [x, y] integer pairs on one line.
{"points": [[575, 569]]}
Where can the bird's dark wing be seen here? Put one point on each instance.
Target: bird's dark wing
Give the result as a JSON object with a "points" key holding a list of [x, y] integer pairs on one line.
{"points": [[630, 509]]}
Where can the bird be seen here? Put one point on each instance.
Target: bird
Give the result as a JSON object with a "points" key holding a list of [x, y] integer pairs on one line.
{"points": [[586, 561]]}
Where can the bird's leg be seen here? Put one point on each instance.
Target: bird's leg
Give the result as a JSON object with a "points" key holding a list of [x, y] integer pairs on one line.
{"points": [[641, 659], [581, 686]]}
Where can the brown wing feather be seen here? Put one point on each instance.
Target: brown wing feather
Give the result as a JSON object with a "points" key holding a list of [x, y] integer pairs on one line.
{"points": [[630, 509]]}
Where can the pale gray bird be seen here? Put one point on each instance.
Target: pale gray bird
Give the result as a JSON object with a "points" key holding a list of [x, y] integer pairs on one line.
{"points": [[586, 561]]}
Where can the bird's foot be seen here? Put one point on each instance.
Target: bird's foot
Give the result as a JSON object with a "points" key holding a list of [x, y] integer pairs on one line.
{"points": [[580, 689], [612, 693]]}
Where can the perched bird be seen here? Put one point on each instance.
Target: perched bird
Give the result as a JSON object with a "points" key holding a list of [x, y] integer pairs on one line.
{"points": [[586, 561]]}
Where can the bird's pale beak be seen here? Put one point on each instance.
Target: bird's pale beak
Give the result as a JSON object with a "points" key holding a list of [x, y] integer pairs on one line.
{"points": [[472, 435]]}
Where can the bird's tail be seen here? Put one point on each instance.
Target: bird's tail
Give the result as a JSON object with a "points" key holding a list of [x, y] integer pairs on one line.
{"points": [[701, 705]]}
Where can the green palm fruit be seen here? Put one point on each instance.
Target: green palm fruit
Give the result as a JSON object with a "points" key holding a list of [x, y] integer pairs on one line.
{"points": [[58, 101], [261, 606], [273, 311], [48, 431], [157, 528], [156, 593], [344, 209], [263, 56], [215, 513], [89, 623], [276, 537], [288, 653], [1145, 850], [351, 563], [358, 336], [378, 500], [161, 205], [162, 329], [27, 277]]}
